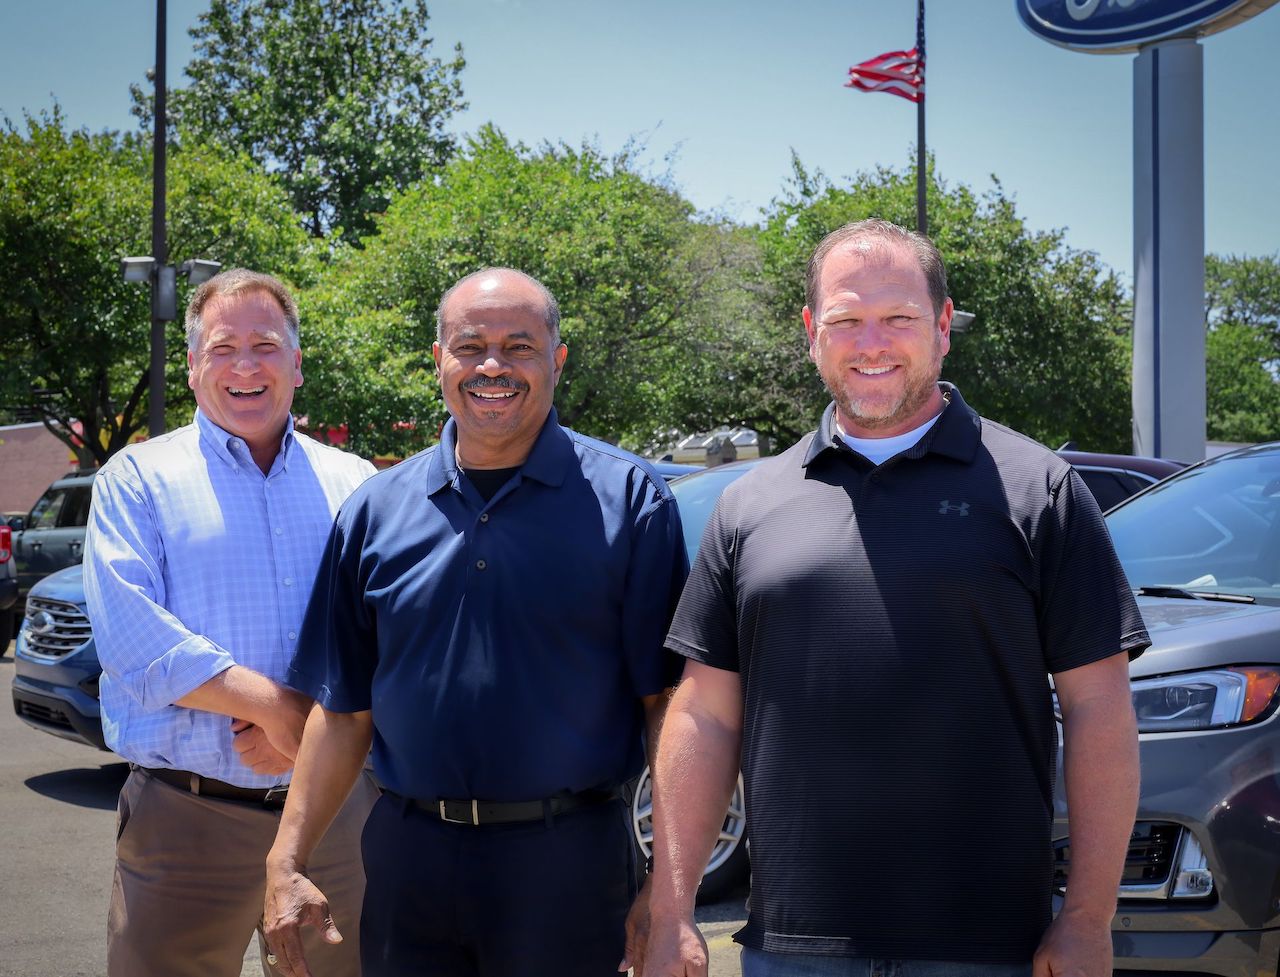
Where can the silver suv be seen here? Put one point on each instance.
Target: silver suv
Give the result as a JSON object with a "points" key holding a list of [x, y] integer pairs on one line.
{"points": [[1201, 888]]}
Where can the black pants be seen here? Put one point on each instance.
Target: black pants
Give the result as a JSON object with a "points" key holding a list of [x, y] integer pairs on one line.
{"points": [[511, 900]]}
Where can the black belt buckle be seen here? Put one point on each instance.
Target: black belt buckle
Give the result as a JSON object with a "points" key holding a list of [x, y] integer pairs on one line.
{"points": [[275, 797]]}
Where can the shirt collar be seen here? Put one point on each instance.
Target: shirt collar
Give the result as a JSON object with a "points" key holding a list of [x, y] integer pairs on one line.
{"points": [[221, 442], [548, 462], [955, 435]]}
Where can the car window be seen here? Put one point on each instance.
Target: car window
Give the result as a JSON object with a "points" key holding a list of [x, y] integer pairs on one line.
{"points": [[696, 495], [1106, 487], [1216, 528], [75, 511], [44, 514]]}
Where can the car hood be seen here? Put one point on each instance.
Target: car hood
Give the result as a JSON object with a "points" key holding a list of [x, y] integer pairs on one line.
{"points": [[65, 585], [1189, 633]]}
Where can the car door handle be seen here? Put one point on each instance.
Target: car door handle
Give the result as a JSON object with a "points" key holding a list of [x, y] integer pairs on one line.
{"points": [[37, 544]]}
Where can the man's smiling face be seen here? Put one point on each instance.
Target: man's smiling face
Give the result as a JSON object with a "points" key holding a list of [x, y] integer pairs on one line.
{"points": [[876, 339], [245, 368], [499, 366]]}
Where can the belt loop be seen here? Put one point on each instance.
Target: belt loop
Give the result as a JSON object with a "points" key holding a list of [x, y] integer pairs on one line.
{"points": [[548, 814], [195, 784]]}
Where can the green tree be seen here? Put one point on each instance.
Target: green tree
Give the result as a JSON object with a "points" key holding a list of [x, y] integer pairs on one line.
{"points": [[74, 337], [341, 99], [613, 247], [1242, 347], [1048, 353]]}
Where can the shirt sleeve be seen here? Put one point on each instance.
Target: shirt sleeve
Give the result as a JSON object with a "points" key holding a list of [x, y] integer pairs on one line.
{"points": [[143, 648], [659, 566], [1087, 611], [337, 646], [705, 627]]}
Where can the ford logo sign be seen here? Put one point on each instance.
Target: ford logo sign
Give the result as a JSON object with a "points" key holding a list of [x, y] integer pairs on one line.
{"points": [[42, 622], [1115, 26]]}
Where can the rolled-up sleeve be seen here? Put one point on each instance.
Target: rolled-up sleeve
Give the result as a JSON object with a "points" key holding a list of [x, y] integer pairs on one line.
{"points": [[143, 648]]}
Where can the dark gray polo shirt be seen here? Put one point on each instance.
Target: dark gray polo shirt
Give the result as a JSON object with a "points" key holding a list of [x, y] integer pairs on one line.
{"points": [[894, 627]]}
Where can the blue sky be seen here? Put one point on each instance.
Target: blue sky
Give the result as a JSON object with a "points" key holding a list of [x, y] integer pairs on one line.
{"points": [[720, 93]]}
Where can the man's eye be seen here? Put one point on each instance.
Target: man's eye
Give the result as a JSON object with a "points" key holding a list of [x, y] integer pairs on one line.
{"points": [[223, 350], [521, 347], [266, 347]]}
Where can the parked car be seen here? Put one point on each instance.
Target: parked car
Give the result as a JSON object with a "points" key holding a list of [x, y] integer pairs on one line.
{"points": [[8, 587], [1113, 478], [51, 536], [1201, 888], [56, 670]]}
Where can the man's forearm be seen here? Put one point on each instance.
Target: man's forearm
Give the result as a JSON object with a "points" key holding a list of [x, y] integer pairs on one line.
{"points": [[333, 752], [1100, 759], [694, 777], [242, 693]]}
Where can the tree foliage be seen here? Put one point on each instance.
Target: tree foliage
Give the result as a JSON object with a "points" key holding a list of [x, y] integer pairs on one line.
{"points": [[1242, 347], [614, 248], [341, 99], [74, 337], [1048, 353]]}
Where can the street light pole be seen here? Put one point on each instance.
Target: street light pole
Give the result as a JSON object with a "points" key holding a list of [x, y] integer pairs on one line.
{"points": [[163, 275]]}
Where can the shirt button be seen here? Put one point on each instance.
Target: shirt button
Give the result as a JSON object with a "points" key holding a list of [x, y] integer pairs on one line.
{"points": [[279, 531], [480, 564], [484, 517], [288, 581], [293, 635]]}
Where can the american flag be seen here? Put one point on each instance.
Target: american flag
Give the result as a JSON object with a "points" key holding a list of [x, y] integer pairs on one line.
{"points": [[897, 72]]}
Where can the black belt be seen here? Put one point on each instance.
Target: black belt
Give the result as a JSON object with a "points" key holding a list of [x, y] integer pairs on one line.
{"points": [[272, 797], [504, 812]]}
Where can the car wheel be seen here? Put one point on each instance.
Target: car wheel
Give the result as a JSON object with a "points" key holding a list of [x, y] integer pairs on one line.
{"points": [[727, 866]]}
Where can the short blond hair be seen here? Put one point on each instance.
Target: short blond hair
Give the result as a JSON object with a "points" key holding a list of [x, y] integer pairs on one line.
{"points": [[234, 281]]}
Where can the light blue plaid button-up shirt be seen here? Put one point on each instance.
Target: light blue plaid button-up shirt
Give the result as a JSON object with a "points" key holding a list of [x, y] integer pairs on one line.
{"points": [[195, 561]]}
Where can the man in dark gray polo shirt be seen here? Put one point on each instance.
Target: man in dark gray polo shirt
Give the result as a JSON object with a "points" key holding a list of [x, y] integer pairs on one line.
{"points": [[869, 629]]}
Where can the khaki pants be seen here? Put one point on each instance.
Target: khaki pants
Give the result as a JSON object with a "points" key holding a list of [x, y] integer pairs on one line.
{"points": [[190, 881]]}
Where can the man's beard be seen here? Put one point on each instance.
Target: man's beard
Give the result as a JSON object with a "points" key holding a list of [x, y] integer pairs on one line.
{"points": [[872, 412]]}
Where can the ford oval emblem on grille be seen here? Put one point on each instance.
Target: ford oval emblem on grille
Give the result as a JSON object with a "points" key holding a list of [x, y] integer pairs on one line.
{"points": [[42, 622]]}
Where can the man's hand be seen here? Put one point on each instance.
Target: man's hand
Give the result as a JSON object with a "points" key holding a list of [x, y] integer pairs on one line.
{"points": [[637, 929], [293, 901], [675, 949], [283, 724], [1074, 947], [256, 751]]}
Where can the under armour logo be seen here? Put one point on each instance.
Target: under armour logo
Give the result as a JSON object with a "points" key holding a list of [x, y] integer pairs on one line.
{"points": [[946, 506]]}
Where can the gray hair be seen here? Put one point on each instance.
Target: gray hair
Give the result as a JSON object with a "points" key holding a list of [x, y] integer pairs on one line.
{"points": [[551, 315], [882, 232], [234, 282]]}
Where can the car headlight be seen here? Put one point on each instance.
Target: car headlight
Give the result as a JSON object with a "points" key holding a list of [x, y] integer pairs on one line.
{"points": [[1204, 700], [1201, 700]]}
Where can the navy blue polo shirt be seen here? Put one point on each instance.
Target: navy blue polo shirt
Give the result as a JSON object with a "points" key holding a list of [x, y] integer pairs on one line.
{"points": [[894, 627], [503, 646]]}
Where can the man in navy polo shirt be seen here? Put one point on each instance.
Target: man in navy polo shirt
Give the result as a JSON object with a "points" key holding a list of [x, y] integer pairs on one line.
{"points": [[489, 616], [870, 626]]}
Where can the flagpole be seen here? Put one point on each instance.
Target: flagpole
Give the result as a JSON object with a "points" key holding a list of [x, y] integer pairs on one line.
{"points": [[922, 216]]}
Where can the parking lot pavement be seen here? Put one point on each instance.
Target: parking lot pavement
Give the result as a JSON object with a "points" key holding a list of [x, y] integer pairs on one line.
{"points": [[57, 818]]}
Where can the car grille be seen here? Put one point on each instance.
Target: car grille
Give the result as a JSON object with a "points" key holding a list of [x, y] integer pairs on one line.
{"points": [[1148, 866], [44, 715], [64, 628]]}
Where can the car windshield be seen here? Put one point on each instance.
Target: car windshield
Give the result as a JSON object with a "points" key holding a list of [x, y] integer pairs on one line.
{"points": [[1213, 529], [696, 495]]}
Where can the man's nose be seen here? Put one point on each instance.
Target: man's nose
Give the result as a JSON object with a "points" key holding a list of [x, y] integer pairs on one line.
{"points": [[872, 336], [245, 362], [493, 365]]}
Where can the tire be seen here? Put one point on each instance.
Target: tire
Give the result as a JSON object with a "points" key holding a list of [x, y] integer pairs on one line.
{"points": [[728, 866]]}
